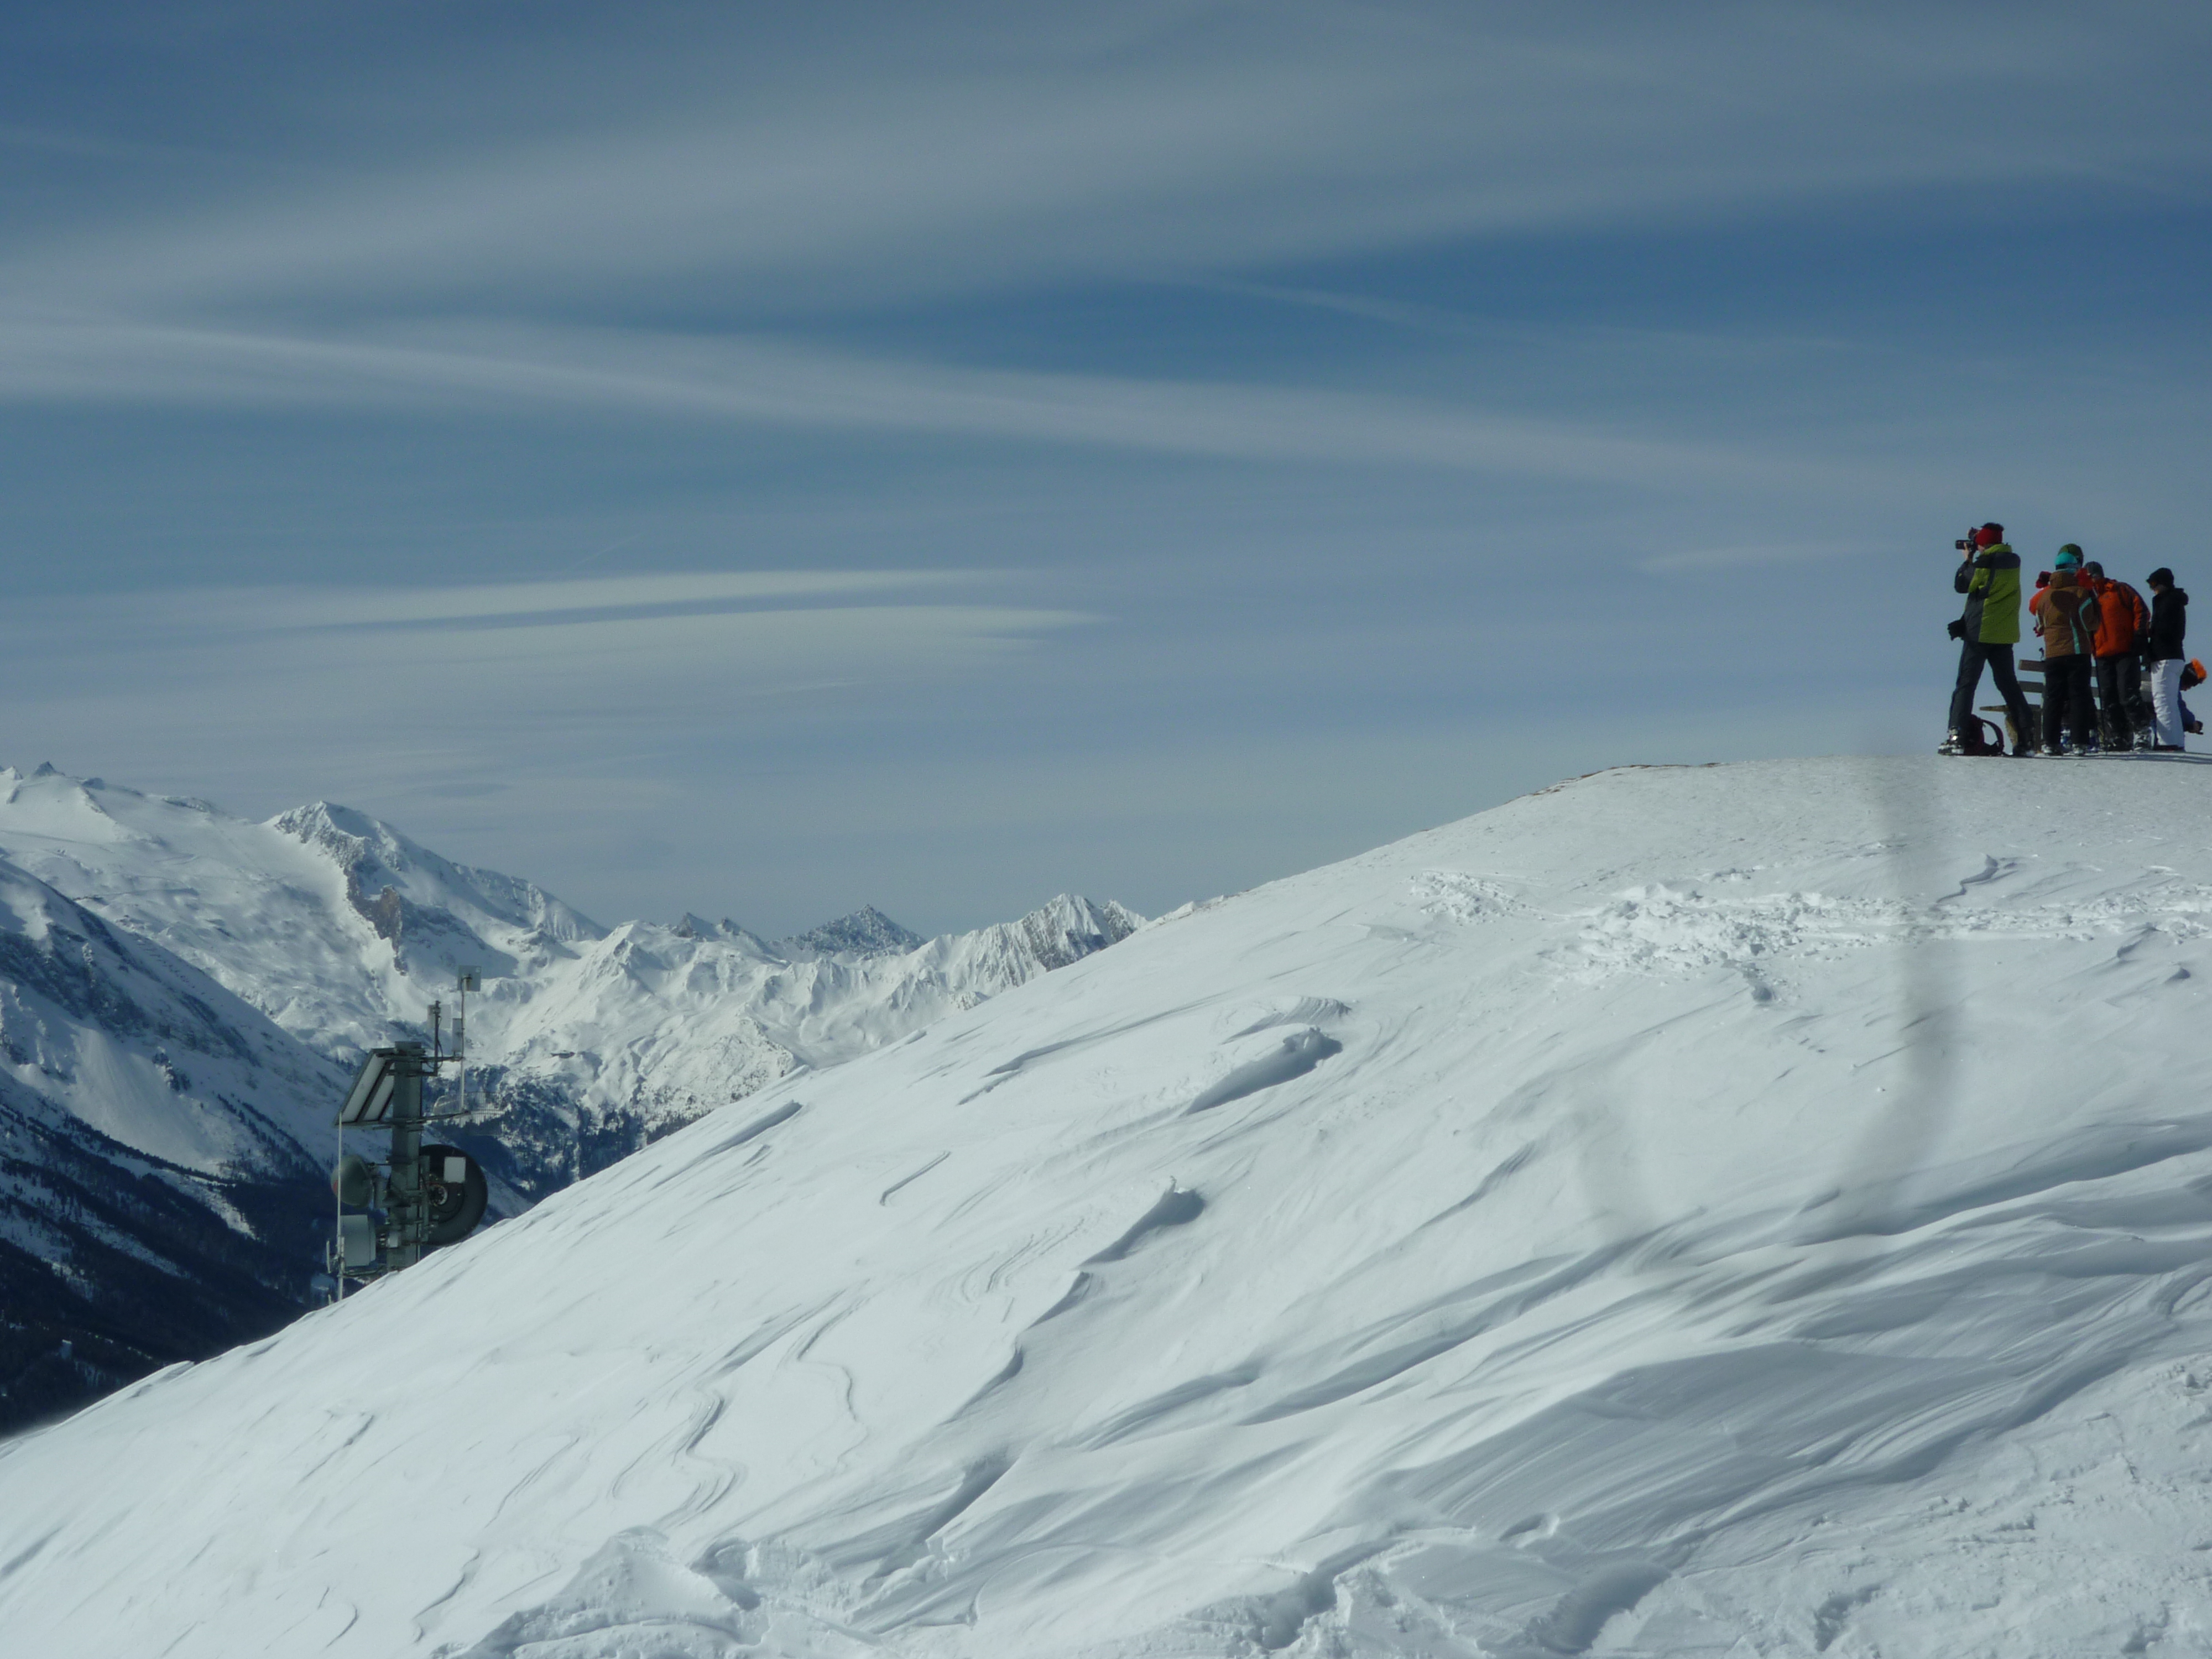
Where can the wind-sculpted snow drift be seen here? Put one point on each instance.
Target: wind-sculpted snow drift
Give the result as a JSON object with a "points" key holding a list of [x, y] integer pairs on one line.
{"points": [[1762, 1209], [182, 994]]}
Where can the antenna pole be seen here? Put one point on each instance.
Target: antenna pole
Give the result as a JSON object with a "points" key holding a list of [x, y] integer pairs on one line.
{"points": [[461, 1040], [427, 1201], [409, 1214]]}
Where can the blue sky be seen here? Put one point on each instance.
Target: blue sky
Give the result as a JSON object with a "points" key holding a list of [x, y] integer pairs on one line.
{"points": [[700, 456]]}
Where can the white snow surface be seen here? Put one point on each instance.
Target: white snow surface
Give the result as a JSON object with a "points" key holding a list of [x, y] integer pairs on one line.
{"points": [[1762, 1209]]}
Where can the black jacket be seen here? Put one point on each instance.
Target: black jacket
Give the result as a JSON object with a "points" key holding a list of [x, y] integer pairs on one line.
{"points": [[2168, 623]]}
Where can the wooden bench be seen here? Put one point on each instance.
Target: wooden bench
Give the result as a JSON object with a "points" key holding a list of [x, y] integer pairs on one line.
{"points": [[2030, 675]]}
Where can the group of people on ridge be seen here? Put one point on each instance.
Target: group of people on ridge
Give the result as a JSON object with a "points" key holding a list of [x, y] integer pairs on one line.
{"points": [[2093, 629]]}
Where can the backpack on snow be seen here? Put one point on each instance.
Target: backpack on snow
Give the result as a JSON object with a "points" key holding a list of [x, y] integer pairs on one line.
{"points": [[1979, 736]]}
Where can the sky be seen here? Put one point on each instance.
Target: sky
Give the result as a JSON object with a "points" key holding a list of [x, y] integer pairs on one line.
{"points": [[761, 460]]}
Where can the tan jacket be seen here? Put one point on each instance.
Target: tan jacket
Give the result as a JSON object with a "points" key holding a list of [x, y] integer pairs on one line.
{"points": [[2066, 616]]}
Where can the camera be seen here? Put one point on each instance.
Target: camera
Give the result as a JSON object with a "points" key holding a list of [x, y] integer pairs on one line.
{"points": [[1964, 544]]}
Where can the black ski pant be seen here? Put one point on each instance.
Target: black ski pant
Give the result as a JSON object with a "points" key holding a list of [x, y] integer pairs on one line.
{"points": [[2066, 699], [1971, 656], [2119, 694], [2134, 690]]}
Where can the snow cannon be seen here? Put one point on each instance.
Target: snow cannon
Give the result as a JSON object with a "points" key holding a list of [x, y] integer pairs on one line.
{"points": [[390, 1214]]}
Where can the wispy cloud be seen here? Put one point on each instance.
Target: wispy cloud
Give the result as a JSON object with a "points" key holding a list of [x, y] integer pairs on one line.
{"points": [[406, 688], [687, 619], [1171, 141], [1212, 137], [559, 602], [780, 384]]}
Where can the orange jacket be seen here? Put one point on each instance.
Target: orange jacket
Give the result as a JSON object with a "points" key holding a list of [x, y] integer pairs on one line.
{"points": [[2066, 616], [2122, 616]]}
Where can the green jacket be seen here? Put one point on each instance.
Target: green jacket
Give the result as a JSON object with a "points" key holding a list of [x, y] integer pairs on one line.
{"points": [[1990, 581]]}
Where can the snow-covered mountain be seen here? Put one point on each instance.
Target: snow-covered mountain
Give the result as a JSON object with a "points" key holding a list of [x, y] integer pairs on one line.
{"points": [[162, 1150], [643, 1029], [339, 927], [324, 932], [1747, 1210]]}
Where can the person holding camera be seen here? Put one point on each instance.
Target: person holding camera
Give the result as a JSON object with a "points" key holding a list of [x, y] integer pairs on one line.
{"points": [[1986, 631], [2168, 622], [2066, 616]]}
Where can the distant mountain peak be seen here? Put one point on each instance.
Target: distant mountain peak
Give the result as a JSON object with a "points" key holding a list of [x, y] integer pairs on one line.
{"points": [[868, 932], [1071, 928], [419, 903], [692, 925]]}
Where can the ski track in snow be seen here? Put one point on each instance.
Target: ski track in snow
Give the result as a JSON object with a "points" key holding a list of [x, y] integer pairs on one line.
{"points": [[1751, 1209]]}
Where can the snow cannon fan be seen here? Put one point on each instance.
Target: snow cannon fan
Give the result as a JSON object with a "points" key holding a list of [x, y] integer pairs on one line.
{"points": [[390, 1215]]}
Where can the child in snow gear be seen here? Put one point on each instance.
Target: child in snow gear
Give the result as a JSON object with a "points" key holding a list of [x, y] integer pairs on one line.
{"points": [[2067, 618], [1986, 631], [2162, 644], [2123, 619], [2192, 675]]}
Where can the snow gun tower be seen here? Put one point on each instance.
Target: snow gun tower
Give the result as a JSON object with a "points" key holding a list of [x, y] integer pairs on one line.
{"points": [[390, 1215]]}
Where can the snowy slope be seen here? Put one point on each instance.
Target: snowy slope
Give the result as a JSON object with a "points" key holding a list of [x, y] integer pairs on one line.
{"points": [[1762, 1209], [162, 1154], [650, 1026]]}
